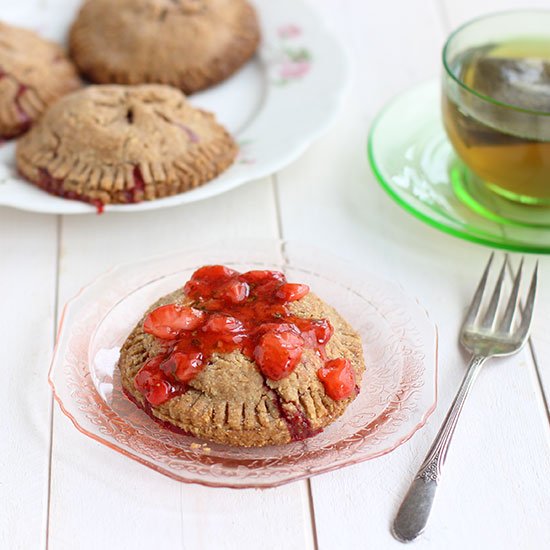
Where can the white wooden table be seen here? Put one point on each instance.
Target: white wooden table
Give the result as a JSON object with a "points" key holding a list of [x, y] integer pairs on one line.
{"points": [[63, 490]]}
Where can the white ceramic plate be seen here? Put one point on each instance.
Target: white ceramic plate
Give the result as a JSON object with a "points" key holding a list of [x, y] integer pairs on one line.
{"points": [[275, 106]]}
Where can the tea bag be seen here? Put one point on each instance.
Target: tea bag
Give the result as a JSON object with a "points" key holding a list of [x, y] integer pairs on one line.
{"points": [[524, 82]]}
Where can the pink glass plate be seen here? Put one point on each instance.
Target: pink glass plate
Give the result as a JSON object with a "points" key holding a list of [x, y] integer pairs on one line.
{"points": [[399, 386]]}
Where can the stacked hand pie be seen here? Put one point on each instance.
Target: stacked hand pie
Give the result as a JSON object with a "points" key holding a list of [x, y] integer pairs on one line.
{"points": [[135, 136]]}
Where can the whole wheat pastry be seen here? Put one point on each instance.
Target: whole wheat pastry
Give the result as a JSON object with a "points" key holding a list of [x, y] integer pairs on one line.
{"points": [[242, 359], [190, 44], [33, 74], [124, 144]]}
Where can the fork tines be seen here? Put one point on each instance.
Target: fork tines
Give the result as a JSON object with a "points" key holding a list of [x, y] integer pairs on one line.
{"points": [[489, 318]]}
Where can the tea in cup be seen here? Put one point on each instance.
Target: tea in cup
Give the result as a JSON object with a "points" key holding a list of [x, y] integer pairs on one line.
{"points": [[496, 102]]}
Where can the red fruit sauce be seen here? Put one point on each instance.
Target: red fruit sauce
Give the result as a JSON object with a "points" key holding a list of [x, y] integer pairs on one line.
{"points": [[238, 311]]}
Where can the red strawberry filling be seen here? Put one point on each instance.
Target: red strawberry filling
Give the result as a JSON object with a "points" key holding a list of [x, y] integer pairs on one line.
{"points": [[24, 119], [136, 193], [247, 312], [55, 186], [298, 423], [192, 135], [146, 407]]}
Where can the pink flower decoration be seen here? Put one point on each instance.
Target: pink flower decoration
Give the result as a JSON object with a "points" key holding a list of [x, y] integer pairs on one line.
{"points": [[294, 69], [289, 31]]}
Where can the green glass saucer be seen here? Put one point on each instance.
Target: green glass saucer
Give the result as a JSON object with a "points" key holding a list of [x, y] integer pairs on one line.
{"points": [[414, 162]]}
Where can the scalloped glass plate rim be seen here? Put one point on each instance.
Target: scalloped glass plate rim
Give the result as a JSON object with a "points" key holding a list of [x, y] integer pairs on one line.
{"points": [[255, 484]]}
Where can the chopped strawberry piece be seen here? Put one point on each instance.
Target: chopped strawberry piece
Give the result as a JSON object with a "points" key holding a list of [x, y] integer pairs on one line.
{"points": [[159, 393], [277, 327], [323, 330], [196, 288], [168, 321], [291, 292], [234, 291], [262, 276], [152, 364], [212, 273], [317, 332], [222, 324], [183, 366], [213, 305], [205, 280], [278, 353], [150, 382], [338, 378]]}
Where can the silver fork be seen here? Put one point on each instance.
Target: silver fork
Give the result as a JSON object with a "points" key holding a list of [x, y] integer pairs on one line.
{"points": [[484, 336]]}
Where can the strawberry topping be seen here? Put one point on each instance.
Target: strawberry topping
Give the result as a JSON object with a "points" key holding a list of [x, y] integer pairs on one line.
{"points": [[152, 384], [234, 291], [291, 292], [338, 378], [183, 366], [278, 353], [167, 322], [231, 311]]}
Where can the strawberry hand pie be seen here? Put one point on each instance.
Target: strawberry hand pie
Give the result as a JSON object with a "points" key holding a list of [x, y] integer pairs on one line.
{"points": [[189, 44], [34, 73], [124, 144], [245, 359]]}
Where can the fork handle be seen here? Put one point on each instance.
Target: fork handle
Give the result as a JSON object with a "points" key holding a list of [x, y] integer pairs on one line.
{"points": [[415, 509]]}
